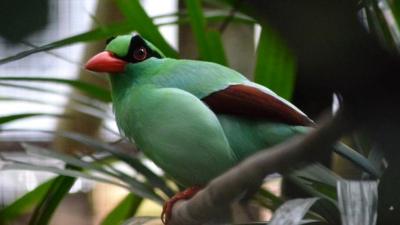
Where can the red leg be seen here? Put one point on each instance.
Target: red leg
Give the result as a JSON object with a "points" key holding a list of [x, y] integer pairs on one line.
{"points": [[167, 209]]}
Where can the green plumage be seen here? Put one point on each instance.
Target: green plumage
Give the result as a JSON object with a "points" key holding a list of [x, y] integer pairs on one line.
{"points": [[177, 131], [197, 77], [158, 103]]}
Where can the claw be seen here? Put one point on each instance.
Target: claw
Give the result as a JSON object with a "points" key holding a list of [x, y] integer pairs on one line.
{"points": [[167, 209]]}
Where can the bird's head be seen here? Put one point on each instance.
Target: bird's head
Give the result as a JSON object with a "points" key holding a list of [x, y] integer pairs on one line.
{"points": [[121, 51]]}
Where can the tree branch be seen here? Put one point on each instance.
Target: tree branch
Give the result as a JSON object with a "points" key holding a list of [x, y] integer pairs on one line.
{"points": [[223, 190]]}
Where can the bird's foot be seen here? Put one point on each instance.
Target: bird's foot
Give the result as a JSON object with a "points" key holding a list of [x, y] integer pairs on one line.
{"points": [[167, 209]]}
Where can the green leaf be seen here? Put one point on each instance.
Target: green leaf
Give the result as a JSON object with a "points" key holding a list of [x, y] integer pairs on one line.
{"points": [[134, 185], [81, 99], [87, 88], [102, 32], [395, 6], [124, 210], [318, 181], [140, 188], [11, 118], [211, 16], [138, 18], [25, 204], [324, 189], [275, 65], [114, 29], [130, 160], [292, 211], [216, 49], [357, 159], [318, 172], [97, 145], [325, 209], [57, 191], [84, 109], [385, 29], [198, 25], [209, 42], [268, 199], [17, 165], [66, 158]]}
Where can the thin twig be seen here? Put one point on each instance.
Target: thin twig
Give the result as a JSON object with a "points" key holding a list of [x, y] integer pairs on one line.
{"points": [[230, 17], [225, 189], [227, 20], [66, 59], [59, 56]]}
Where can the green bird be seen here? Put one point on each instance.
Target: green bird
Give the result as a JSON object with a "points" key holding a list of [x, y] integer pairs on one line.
{"points": [[194, 119]]}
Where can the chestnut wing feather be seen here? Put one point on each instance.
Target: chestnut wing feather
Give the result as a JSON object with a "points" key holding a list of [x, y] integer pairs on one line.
{"points": [[251, 102]]}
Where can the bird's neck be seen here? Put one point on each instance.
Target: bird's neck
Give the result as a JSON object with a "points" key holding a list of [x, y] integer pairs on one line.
{"points": [[119, 86], [137, 74]]}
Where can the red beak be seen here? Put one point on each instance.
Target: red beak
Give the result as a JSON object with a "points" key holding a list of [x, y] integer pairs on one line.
{"points": [[106, 62]]}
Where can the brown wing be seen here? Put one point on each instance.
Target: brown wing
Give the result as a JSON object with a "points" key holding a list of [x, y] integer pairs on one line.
{"points": [[251, 102]]}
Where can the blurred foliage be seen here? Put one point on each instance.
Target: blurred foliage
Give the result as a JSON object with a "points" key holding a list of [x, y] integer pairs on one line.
{"points": [[19, 18], [275, 67], [124, 210]]}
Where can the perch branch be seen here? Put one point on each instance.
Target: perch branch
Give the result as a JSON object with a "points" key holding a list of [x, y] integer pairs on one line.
{"points": [[223, 190]]}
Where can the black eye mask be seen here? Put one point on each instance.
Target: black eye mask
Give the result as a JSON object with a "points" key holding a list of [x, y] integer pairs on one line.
{"points": [[136, 44]]}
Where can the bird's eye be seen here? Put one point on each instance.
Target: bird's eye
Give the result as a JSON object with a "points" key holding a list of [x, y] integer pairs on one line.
{"points": [[140, 54]]}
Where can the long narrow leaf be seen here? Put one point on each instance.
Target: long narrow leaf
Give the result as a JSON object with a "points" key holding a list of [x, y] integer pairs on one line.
{"points": [[310, 186], [25, 203], [268, 199], [124, 210], [275, 65], [95, 34], [81, 99], [16, 165], [211, 16], [292, 212], [318, 181], [87, 88], [358, 202], [68, 159], [198, 25], [133, 162], [216, 48], [139, 188], [74, 106], [57, 191], [318, 172], [95, 144], [11, 118], [138, 18], [209, 42], [357, 159], [391, 20], [379, 25], [324, 189], [104, 32]]}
